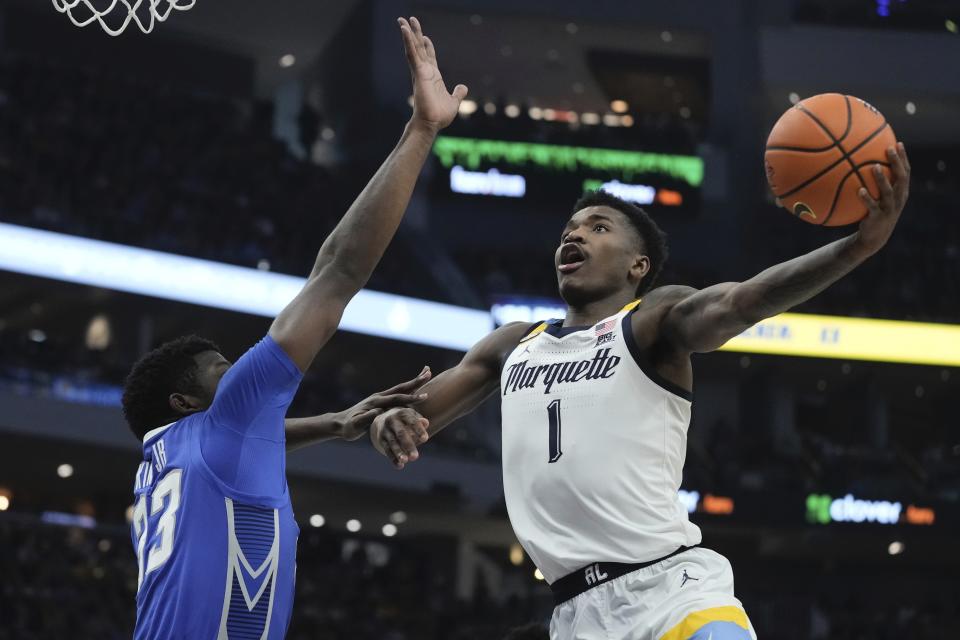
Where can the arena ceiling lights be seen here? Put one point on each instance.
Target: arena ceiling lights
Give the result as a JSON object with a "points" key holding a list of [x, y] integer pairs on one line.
{"points": [[212, 284]]}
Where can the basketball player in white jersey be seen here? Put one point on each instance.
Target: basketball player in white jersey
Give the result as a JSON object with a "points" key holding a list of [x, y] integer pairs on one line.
{"points": [[595, 414]]}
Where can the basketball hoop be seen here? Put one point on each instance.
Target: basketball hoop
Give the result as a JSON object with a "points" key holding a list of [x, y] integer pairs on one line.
{"points": [[145, 13]]}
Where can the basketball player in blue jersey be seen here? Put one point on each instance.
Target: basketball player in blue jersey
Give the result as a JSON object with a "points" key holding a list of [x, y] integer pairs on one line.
{"points": [[213, 528], [595, 415]]}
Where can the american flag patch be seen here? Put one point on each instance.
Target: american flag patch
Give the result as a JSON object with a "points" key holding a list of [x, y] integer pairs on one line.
{"points": [[604, 327], [604, 331]]}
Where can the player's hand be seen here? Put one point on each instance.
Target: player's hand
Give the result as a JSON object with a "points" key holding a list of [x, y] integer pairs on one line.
{"points": [[884, 213], [356, 421], [396, 434], [433, 106]]}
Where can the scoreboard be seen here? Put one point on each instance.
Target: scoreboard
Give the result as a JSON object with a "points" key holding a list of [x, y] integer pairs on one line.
{"points": [[549, 173]]}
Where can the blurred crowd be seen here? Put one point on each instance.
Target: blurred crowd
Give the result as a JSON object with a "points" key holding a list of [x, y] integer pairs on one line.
{"points": [[851, 605], [63, 582], [100, 154], [661, 132]]}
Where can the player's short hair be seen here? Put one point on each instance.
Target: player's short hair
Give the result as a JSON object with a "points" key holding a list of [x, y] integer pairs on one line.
{"points": [[170, 368], [653, 237], [528, 632]]}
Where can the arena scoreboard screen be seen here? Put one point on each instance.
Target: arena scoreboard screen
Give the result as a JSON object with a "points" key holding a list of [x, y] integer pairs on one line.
{"points": [[549, 173]]}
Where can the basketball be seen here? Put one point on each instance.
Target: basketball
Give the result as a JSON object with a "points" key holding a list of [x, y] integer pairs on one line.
{"points": [[820, 153]]}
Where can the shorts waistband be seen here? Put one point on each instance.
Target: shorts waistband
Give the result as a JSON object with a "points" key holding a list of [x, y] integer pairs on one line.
{"points": [[597, 573]]}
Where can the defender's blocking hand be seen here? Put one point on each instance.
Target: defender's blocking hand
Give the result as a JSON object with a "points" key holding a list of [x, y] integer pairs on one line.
{"points": [[433, 105], [357, 420]]}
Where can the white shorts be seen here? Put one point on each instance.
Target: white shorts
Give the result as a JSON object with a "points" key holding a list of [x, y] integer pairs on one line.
{"points": [[688, 596]]}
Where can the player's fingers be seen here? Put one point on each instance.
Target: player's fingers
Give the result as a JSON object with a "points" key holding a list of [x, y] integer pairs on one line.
{"points": [[897, 168], [410, 385], [903, 184], [415, 46], [460, 92], [901, 179], [886, 189], [409, 45], [423, 425], [418, 32], [871, 204], [417, 28], [398, 400], [431, 52], [902, 152], [393, 448], [407, 445]]}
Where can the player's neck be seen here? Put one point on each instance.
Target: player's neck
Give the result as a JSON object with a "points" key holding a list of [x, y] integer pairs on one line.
{"points": [[593, 312]]}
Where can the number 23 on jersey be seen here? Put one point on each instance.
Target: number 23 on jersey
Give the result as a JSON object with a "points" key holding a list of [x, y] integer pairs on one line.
{"points": [[163, 500]]}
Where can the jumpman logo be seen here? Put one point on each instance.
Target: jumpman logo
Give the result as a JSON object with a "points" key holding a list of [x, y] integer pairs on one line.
{"points": [[686, 577]]}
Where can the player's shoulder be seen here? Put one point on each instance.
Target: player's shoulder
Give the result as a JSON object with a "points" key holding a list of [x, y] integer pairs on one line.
{"points": [[513, 332], [654, 307], [667, 295], [503, 340]]}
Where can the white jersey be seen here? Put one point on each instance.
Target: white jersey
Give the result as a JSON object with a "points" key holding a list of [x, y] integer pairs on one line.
{"points": [[593, 449]]}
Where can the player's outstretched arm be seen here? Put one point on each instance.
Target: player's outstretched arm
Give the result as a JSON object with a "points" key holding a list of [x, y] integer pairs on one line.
{"points": [[450, 395], [700, 321], [355, 246], [354, 422]]}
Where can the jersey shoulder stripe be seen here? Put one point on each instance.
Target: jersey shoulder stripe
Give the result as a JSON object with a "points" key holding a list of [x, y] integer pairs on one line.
{"points": [[535, 330], [644, 363]]}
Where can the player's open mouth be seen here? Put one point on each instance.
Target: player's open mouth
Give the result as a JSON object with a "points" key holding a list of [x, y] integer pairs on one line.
{"points": [[572, 258]]}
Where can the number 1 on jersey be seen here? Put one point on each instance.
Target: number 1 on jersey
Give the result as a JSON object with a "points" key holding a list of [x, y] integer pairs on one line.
{"points": [[553, 415]]}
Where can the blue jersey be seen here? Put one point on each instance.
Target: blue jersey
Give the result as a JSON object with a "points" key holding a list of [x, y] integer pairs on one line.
{"points": [[213, 527]]}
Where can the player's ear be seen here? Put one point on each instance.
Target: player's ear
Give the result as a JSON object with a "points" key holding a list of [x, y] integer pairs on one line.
{"points": [[184, 404], [640, 267]]}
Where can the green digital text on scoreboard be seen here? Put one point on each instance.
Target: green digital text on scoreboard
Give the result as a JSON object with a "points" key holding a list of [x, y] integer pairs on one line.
{"points": [[481, 167]]}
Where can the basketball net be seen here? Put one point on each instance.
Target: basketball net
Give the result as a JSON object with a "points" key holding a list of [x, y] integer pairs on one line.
{"points": [[145, 13]]}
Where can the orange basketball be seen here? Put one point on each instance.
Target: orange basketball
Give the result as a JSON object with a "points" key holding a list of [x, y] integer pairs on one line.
{"points": [[821, 153]]}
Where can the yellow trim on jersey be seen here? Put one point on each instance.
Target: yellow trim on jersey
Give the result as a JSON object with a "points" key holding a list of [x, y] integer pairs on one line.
{"points": [[694, 621], [540, 328], [631, 305]]}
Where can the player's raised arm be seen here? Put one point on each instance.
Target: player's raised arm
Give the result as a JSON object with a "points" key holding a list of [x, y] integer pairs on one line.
{"points": [[451, 394], [355, 246], [700, 321]]}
